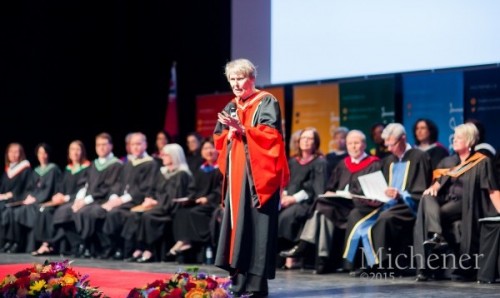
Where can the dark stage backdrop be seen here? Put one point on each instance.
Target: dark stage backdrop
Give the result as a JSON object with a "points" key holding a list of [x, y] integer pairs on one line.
{"points": [[72, 69]]}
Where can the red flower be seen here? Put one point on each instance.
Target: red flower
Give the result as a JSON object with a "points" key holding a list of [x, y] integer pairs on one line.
{"points": [[23, 282], [154, 294], [211, 284], [175, 293], [190, 285]]}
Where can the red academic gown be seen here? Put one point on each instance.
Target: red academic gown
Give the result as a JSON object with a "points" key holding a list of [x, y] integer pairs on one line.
{"points": [[255, 169]]}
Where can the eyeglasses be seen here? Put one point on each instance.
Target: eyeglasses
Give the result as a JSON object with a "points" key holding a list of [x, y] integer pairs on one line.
{"points": [[393, 144]]}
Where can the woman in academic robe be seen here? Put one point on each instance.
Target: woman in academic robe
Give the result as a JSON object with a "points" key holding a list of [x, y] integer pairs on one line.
{"points": [[157, 210], [425, 132], [57, 212], [191, 222], [46, 178], [15, 185], [307, 181], [465, 190]]}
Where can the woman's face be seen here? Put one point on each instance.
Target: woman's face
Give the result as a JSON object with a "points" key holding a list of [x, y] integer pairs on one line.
{"points": [[459, 143], [422, 132], [74, 153], [14, 153], [306, 141], [192, 143], [167, 159], [42, 155], [241, 85], [161, 140], [208, 152]]}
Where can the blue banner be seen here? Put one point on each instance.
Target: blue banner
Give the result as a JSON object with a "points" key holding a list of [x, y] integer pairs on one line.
{"points": [[436, 96], [482, 101]]}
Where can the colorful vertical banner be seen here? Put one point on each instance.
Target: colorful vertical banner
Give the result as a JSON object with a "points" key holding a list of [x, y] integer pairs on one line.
{"points": [[482, 101], [365, 102], [317, 106], [207, 107], [435, 96], [171, 123]]}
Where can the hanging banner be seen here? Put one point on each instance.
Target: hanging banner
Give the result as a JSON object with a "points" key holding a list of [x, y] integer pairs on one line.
{"points": [[482, 101], [366, 102], [435, 96], [317, 106], [207, 107]]}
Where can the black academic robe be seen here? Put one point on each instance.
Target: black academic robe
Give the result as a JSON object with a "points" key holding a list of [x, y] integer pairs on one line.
{"points": [[191, 222], [45, 182], [20, 185], [333, 159], [102, 181], [436, 153], [137, 180], [345, 173], [47, 228], [477, 182], [151, 225], [255, 169], [392, 231], [311, 178], [194, 160]]}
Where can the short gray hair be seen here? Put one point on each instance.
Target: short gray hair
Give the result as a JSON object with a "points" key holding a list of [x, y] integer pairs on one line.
{"points": [[396, 130], [358, 133], [242, 67]]}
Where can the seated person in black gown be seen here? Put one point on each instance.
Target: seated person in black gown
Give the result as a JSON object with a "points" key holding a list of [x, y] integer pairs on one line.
{"points": [[376, 232], [307, 181], [466, 182], [327, 223], [191, 222]]}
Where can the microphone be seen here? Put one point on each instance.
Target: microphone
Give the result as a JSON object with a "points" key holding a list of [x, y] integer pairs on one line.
{"points": [[232, 110]]}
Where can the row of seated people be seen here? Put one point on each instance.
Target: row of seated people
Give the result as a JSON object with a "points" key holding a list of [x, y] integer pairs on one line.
{"points": [[107, 207], [415, 223]]}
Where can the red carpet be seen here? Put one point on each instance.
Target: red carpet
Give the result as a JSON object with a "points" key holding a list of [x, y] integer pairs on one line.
{"points": [[113, 283]]}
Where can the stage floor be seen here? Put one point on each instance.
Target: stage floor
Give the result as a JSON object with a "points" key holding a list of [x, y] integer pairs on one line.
{"points": [[302, 283]]}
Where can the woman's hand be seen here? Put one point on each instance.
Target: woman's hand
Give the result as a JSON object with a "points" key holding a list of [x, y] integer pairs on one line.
{"points": [[433, 190], [287, 201], [232, 122]]}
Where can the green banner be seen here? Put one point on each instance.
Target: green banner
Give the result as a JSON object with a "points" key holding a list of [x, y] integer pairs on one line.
{"points": [[366, 102]]}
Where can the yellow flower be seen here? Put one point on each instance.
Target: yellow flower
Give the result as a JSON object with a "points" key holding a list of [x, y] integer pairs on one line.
{"points": [[37, 286], [195, 293], [201, 283], [68, 279]]}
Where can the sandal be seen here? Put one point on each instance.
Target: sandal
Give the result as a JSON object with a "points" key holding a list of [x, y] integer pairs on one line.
{"points": [[45, 249]]}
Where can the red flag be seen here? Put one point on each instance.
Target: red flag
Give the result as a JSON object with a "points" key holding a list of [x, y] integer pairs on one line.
{"points": [[171, 125]]}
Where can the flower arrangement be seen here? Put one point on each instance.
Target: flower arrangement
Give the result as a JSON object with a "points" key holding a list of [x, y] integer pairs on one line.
{"points": [[50, 279], [189, 284]]}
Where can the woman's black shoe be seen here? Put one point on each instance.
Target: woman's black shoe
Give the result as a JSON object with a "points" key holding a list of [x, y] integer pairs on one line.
{"points": [[294, 252], [13, 248], [5, 247]]}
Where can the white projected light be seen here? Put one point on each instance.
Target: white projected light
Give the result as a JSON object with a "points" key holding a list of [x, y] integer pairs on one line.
{"points": [[329, 39]]}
